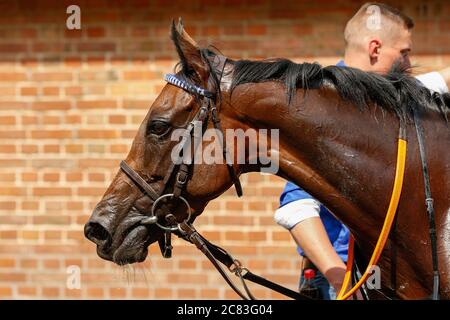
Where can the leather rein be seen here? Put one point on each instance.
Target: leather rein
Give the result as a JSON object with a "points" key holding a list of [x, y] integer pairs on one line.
{"points": [[162, 217]]}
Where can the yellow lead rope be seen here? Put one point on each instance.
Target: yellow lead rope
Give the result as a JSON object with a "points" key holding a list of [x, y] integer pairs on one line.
{"points": [[397, 190]]}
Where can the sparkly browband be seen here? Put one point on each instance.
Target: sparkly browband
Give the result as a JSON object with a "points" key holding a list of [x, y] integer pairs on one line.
{"points": [[171, 78]]}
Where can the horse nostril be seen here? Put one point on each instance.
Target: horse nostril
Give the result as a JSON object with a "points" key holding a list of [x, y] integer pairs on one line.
{"points": [[96, 233]]}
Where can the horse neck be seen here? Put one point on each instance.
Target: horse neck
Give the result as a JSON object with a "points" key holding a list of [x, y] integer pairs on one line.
{"points": [[343, 157], [346, 159]]}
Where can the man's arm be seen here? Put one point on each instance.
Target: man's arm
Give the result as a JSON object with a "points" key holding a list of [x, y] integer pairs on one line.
{"points": [[302, 219], [310, 235]]}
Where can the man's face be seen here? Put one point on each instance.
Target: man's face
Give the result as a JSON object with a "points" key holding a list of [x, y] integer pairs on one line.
{"points": [[395, 48]]}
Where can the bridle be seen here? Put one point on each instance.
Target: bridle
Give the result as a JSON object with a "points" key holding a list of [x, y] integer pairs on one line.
{"points": [[185, 229], [182, 170], [215, 254]]}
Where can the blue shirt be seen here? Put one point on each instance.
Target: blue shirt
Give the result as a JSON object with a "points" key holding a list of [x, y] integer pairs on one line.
{"points": [[337, 232]]}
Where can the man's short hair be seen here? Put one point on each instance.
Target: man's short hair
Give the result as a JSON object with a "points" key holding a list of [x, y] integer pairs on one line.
{"points": [[358, 22]]}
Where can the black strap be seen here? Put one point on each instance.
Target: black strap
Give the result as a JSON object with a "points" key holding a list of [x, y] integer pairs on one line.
{"points": [[215, 253], [221, 62], [428, 203], [233, 175]]}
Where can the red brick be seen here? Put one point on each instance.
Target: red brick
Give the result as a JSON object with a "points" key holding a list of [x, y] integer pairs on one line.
{"points": [[13, 105], [74, 91], [73, 34], [7, 263], [74, 205], [57, 191], [7, 205], [27, 291], [50, 292], [51, 105], [140, 75], [90, 191], [136, 104], [50, 91], [52, 148], [29, 148], [51, 177], [117, 292], [8, 148], [96, 177], [30, 205], [97, 104], [72, 293], [7, 91], [29, 235], [98, 134], [72, 119], [117, 119], [257, 30], [51, 264], [76, 235], [139, 293], [96, 32], [164, 293], [74, 148], [119, 148], [5, 292], [28, 33], [26, 120], [29, 176], [53, 235], [28, 91], [52, 76], [12, 76], [28, 264], [51, 134], [96, 46], [12, 134], [12, 277], [74, 176], [12, 191], [51, 220], [7, 120], [8, 234], [51, 119], [96, 293]]}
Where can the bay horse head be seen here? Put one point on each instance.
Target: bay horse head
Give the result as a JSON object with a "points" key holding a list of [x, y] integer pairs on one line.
{"points": [[159, 184]]}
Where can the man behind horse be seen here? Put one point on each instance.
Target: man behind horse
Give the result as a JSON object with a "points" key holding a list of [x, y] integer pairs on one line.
{"points": [[376, 37]]}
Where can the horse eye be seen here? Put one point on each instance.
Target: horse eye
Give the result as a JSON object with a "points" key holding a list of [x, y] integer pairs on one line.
{"points": [[158, 127]]}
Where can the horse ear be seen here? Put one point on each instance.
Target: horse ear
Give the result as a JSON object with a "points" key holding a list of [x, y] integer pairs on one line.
{"points": [[189, 52]]}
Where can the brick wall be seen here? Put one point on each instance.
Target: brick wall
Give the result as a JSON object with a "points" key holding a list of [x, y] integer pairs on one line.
{"points": [[71, 101]]}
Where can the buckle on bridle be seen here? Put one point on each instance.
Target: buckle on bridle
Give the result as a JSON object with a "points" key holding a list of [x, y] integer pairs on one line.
{"points": [[236, 267], [154, 219], [179, 175]]}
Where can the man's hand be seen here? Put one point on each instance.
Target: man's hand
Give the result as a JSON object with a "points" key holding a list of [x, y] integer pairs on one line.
{"points": [[310, 235]]}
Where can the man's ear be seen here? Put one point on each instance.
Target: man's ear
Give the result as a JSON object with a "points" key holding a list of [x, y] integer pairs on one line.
{"points": [[374, 48], [189, 52]]}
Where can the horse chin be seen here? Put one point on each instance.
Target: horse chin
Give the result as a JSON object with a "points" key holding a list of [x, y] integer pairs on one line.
{"points": [[134, 247]]}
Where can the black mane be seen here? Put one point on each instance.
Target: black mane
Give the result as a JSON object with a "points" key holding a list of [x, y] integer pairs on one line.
{"points": [[396, 92]]}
